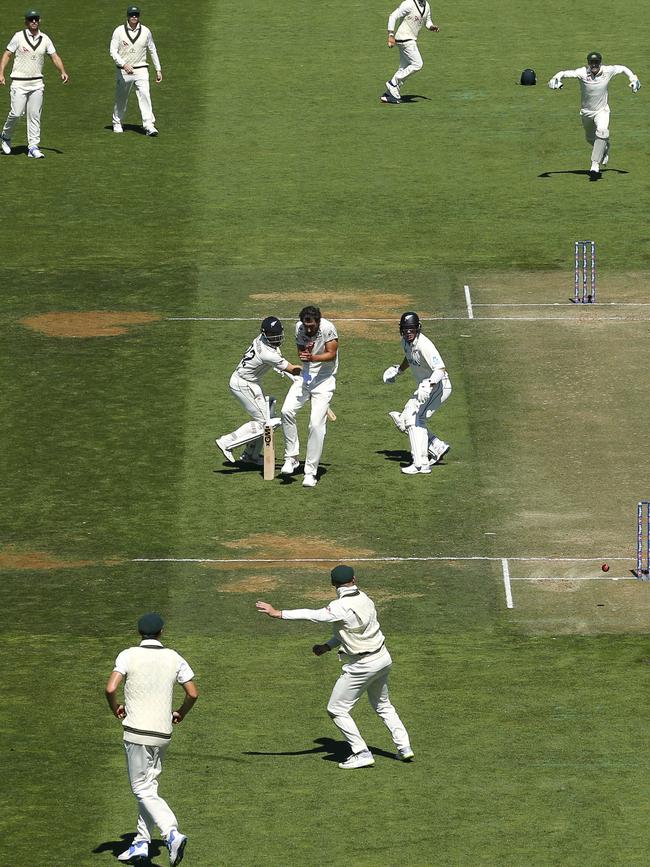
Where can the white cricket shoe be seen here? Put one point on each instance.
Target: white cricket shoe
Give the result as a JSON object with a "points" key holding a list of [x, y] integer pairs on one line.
{"points": [[136, 852], [412, 470], [151, 130], [309, 481], [5, 144], [228, 455], [397, 418], [437, 454], [289, 466], [176, 843], [405, 754], [605, 160], [393, 90], [363, 759], [35, 153], [117, 127]]}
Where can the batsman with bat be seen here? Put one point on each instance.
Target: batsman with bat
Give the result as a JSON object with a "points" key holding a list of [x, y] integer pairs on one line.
{"points": [[261, 356], [433, 389], [318, 344]]}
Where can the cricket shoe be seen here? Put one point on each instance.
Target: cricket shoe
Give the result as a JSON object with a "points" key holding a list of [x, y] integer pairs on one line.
{"points": [[438, 453], [137, 853], [309, 481], [397, 418], [392, 89], [5, 144], [289, 466], [176, 843], [117, 127], [364, 759], [405, 754], [386, 97], [35, 153], [412, 470], [151, 130], [228, 455], [605, 160]]}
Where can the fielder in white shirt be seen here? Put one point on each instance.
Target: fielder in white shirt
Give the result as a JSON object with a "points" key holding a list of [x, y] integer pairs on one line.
{"points": [[594, 81], [412, 15], [433, 389], [318, 345], [261, 356], [129, 45], [28, 48], [366, 664], [149, 672]]}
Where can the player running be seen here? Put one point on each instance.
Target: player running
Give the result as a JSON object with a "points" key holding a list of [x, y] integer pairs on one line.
{"points": [[411, 14], [433, 389], [262, 355], [594, 81]]}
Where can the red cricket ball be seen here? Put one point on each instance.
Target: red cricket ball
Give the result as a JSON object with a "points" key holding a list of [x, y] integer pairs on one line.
{"points": [[605, 567]]}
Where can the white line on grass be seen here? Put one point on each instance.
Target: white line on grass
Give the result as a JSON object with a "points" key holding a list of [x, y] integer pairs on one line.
{"points": [[468, 302], [353, 559], [595, 319], [506, 583]]}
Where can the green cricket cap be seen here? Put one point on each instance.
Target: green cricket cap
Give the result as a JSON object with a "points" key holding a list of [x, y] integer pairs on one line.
{"points": [[133, 10], [342, 574], [150, 624], [32, 13]]}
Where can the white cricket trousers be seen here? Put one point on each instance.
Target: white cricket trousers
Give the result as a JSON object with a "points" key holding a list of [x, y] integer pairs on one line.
{"points": [[410, 60], [368, 674], [252, 398], [123, 86], [320, 395], [26, 99], [415, 415], [597, 133], [144, 765]]}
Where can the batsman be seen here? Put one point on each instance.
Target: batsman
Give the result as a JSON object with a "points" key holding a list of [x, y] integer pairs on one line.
{"points": [[433, 389]]}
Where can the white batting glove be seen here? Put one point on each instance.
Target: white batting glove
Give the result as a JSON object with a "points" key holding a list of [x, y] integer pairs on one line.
{"points": [[635, 85], [391, 373], [555, 83], [424, 391]]}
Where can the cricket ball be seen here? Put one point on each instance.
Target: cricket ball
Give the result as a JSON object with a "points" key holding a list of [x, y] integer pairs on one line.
{"points": [[605, 567]]}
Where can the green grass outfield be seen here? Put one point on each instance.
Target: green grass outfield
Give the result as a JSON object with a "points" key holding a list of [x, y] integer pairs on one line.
{"points": [[134, 274]]}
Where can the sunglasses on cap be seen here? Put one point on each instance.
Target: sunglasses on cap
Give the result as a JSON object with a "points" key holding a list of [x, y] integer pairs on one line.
{"points": [[33, 18]]}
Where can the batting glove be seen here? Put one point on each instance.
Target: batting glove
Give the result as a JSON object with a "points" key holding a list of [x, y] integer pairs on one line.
{"points": [[635, 85], [555, 83], [424, 391], [391, 373]]}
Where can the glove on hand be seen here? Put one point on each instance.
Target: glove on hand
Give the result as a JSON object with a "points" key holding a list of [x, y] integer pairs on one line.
{"points": [[555, 83], [391, 373], [424, 391], [635, 85]]}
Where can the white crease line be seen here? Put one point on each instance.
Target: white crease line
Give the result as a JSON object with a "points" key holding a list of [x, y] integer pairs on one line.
{"points": [[468, 302], [574, 578], [354, 559], [595, 319], [506, 583]]}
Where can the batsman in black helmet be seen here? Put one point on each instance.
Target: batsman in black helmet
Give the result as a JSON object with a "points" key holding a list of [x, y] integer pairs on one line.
{"points": [[259, 358], [594, 81], [433, 389]]}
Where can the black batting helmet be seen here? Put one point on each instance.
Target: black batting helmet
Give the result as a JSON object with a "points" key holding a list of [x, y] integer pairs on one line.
{"points": [[528, 77], [271, 328], [408, 322]]}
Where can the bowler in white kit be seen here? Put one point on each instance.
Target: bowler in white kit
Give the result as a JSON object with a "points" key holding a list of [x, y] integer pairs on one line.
{"points": [[433, 389], [366, 664], [412, 15], [129, 46], [594, 81]]}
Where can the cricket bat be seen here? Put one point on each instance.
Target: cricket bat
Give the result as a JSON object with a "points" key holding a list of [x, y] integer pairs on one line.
{"points": [[330, 414], [269, 449]]}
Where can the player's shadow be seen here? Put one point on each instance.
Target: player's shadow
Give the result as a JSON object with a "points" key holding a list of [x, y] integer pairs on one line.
{"points": [[238, 468], [396, 455], [128, 127], [581, 172], [414, 97], [22, 150], [334, 751], [116, 847]]}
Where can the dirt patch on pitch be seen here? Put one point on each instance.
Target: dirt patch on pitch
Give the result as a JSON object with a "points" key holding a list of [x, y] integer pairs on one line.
{"points": [[97, 323], [278, 546], [10, 559]]}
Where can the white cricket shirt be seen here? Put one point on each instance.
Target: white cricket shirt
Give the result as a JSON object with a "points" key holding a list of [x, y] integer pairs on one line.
{"points": [[594, 89], [423, 357], [29, 54], [413, 15], [316, 371], [131, 46], [258, 359]]}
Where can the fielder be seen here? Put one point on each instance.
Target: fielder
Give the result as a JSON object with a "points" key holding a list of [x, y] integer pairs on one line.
{"points": [[28, 47], [259, 358], [366, 664], [318, 344], [594, 81], [129, 45], [433, 389], [412, 14]]}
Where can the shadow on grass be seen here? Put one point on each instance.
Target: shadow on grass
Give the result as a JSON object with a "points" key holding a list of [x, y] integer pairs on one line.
{"points": [[116, 847], [335, 751], [582, 172], [128, 127], [242, 467], [396, 455], [21, 150]]}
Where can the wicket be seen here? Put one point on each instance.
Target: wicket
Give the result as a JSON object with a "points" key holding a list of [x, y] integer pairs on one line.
{"points": [[643, 541], [585, 272]]}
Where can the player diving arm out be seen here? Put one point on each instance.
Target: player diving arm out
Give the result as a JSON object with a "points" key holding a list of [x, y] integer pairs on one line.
{"points": [[315, 615]]}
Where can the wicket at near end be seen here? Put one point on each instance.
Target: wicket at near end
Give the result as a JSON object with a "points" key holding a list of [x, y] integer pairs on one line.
{"points": [[585, 272]]}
